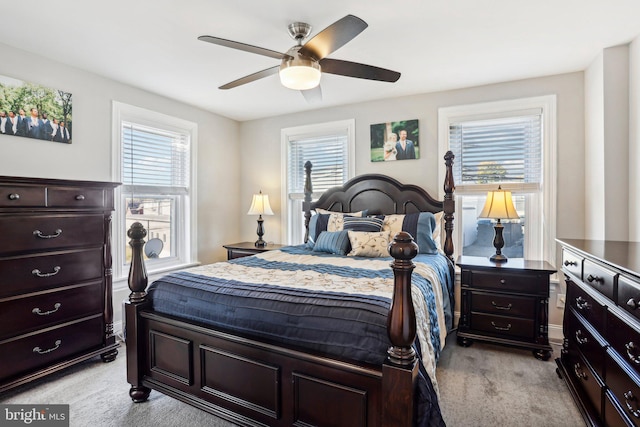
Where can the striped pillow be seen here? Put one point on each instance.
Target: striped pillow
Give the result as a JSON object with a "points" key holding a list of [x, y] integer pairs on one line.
{"points": [[369, 224], [333, 242]]}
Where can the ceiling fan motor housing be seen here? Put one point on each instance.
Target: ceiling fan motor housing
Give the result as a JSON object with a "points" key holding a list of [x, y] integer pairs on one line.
{"points": [[299, 31]]}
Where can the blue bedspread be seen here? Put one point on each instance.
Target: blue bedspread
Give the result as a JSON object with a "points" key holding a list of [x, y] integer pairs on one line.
{"points": [[329, 304]]}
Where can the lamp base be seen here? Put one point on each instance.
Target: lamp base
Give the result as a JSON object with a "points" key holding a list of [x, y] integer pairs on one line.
{"points": [[498, 258], [498, 243], [260, 243]]}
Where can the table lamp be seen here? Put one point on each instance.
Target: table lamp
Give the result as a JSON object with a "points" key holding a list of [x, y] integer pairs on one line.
{"points": [[499, 205], [260, 206]]}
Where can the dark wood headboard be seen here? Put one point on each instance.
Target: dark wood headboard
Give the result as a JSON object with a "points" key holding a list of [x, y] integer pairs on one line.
{"points": [[381, 194]]}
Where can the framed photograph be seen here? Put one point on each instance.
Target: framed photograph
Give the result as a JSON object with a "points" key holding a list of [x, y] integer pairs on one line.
{"points": [[395, 141], [32, 111]]}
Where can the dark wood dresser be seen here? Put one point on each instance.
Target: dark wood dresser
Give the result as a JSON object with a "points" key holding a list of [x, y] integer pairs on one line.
{"points": [[600, 360], [55, 276]]}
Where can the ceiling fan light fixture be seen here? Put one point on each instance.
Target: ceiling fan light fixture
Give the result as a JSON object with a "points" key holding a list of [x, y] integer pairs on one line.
{"points": [[300, 73]]}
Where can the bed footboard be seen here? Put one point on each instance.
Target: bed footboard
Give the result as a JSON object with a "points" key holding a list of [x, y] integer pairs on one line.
{"points": [[255, 383]]}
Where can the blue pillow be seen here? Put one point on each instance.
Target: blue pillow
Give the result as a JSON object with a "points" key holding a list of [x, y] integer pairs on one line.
{"points": [[370, 224], [421, 226], [333, 242]]}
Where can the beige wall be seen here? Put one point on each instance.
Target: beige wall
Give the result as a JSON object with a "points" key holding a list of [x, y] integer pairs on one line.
{"points": [[634, 140]]}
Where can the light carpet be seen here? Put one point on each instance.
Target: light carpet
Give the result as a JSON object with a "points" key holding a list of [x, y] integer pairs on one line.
{"points": [[482, 385]]}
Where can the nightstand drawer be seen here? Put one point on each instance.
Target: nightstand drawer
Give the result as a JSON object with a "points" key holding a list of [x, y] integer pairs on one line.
{"points": [[521, 283], [79, 198], [503, 304], [512, 327], [599, 278], [17, 196]]}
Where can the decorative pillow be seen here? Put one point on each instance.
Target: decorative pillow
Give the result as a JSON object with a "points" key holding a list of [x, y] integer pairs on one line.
{"points": [[333, 242], [359, 213], [372, 245], [421, 226], [368, 223], [437, 232], [325, 220]]}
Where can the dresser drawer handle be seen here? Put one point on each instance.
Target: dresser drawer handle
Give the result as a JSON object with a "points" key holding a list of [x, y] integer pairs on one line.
{"points": [[582, 304], [577, 369], [580, 338], [14, 196], [80, 197], [503, 282], [631, 349], [501, 307], [628, 398], [39, 234], [37, 311], [570, 263], [40, 351], [501, 328], [38, 273], [591, 278], [633, 304]]}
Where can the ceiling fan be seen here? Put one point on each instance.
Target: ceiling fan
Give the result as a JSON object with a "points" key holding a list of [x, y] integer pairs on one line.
{"points": [[301, 66]]}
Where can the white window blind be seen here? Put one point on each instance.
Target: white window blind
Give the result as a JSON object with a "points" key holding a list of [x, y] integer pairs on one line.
{"points": [[504, 150], [330, 163], [154, 160]]}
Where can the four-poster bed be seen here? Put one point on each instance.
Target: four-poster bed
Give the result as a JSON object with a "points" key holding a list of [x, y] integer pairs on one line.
{"points": [[252, 378]]}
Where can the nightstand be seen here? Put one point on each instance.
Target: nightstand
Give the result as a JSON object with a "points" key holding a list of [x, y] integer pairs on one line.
{"points": [[505, 303], [239, 250]]}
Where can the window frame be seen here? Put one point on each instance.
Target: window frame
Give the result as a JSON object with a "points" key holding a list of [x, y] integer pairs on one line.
{"points": [[544, 247], [185, 206], [289, 222]]}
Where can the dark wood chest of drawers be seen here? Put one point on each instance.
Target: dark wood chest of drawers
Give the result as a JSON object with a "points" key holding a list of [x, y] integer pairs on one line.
{"points": [[505, 303], [55, 276], [600, 360]]}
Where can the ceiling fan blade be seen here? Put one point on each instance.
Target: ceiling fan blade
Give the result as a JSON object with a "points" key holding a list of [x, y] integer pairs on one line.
{"points": [[361, 71], [242, 46], [333, 37], [312, 95], [251, 77]]}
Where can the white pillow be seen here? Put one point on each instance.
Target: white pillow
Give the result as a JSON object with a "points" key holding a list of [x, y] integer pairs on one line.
{"points": [[369, 244]]}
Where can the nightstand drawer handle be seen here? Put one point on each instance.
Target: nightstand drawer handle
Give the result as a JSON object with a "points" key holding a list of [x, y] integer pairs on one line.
{"points": [[577, 369], [570, 263], [501, 307], [37, 311], [628, 398], [14, 196], [633, 304], [501, 328], [582, 304], [39, 234], [591, 278], [39, 273], [580, 338], [40, 351], [80, 197], [632, 351]]}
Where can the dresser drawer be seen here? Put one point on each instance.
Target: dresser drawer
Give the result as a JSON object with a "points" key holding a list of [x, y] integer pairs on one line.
{"points": [[23, 314], [625, 340], [580, 337], [599, 278], [503, 304], [572, 263], [75, 197], [45, 232], [521, 283], [45, 271], [586, 306], [39, 350], [614, 415], [629, 295], [584, 379], [625, 387], [512, 327], [21, 196]]}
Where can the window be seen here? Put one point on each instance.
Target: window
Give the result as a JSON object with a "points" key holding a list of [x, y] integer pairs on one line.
{"points": [[153, 160], [330, 149], [511, 144]]}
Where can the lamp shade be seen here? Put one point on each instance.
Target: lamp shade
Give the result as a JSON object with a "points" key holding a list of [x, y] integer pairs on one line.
{"points": [[499, 205], [260, 205]]}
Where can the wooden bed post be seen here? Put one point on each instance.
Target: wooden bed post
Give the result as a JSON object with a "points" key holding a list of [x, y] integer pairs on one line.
{"points": [[306, 205], [137, 301], [449, 205], [400, 370]]}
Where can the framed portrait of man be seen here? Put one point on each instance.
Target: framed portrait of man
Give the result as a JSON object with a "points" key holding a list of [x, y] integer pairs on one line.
{"points": [[393, 141]]}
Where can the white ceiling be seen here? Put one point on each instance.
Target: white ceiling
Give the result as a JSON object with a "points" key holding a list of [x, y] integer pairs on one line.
{"points": [[435, 44]]}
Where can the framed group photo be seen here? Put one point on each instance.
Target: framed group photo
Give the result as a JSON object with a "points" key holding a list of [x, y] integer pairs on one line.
{"points": [[393, 141]]}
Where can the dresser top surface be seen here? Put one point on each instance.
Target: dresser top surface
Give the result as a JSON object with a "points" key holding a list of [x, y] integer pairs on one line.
{"points": [[623, 255]]}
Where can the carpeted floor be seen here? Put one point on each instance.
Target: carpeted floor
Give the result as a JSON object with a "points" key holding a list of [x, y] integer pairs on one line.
{"points": [[482, 385]]}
